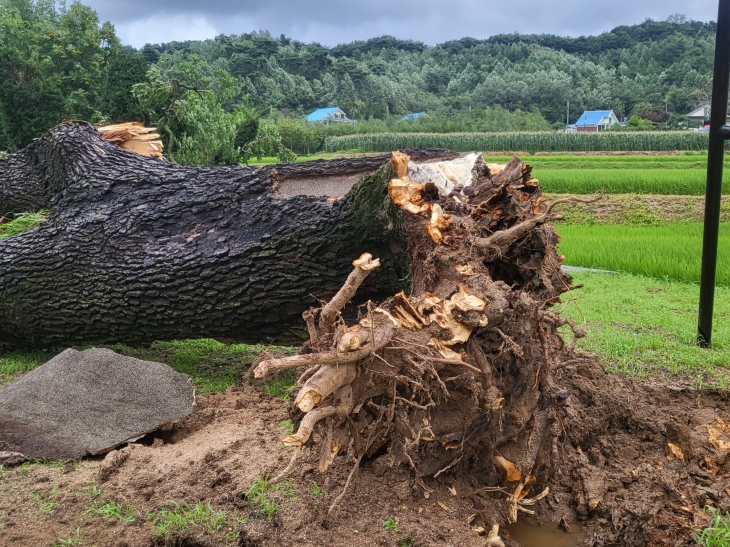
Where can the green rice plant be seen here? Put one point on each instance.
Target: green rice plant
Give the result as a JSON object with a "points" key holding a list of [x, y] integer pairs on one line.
{"points": [[664, 161], [664, 251], [545, 141], [717, 534], [626, 181], [22, 223]]}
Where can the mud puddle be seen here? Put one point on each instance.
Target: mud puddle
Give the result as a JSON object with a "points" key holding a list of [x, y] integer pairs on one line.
{"points": [[530, 532]]}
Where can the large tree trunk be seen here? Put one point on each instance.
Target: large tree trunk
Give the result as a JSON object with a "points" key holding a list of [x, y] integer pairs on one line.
{"points": [[136, 249]]}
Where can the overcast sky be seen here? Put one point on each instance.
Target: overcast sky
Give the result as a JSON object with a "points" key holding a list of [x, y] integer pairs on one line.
{"points": [[330, 22]]}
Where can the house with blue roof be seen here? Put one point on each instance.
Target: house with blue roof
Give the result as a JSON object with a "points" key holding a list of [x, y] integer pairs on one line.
{"points": [[593, 121], [412, 116], [331, 114]]}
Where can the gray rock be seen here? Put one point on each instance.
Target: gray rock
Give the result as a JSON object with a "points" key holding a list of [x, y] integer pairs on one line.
{"points": [[87, 402]]}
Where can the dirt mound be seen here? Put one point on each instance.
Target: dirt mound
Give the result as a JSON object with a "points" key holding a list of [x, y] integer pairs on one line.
{"points": [[618, 478]]}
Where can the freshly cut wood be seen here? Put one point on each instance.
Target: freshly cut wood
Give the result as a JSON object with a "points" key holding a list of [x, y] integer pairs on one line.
{"points": [[342, 405], [326, 380], [133, 136]]}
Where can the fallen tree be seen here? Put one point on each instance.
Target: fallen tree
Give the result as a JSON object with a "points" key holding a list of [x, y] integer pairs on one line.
{"points": [[137, 249], [450, 361]]}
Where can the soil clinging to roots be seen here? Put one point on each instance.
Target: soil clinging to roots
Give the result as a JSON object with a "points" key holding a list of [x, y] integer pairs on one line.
{"points": [[462, 375]]}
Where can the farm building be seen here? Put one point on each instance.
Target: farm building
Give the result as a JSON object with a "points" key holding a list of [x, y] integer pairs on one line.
{"points": [[593, 121], [331, 114], [701, 113]]}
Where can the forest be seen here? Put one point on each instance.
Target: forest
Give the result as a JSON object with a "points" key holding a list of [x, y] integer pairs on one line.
{"points": [[227, 99]]}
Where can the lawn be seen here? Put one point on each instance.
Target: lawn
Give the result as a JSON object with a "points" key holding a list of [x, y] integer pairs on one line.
{"points": [[647, 327], [670, 251], [211, 365]]}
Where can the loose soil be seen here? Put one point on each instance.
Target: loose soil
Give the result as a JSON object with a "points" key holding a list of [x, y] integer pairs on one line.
{"points": [[619, 480]]}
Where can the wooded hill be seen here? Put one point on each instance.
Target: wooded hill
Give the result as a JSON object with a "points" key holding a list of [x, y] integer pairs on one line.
{"points": [[650, 62], [60, 62]]}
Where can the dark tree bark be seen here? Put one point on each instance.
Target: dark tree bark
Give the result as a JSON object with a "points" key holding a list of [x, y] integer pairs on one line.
{"points": [[136, 249]]}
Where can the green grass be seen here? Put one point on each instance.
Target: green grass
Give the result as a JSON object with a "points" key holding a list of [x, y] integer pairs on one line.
{"points": [[716, 534], [390, 525], [22, 223], [77, 540], [625, 181], [212, 366], [111, 509], [13, 365], [281, 384], [265, 497], [671, 251], [317, 490], [181, 517], [647, 327], [287, 426], [47, 505]]}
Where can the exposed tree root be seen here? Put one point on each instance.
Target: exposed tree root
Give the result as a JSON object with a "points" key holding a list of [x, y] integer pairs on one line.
{"points": [[462, 372]]}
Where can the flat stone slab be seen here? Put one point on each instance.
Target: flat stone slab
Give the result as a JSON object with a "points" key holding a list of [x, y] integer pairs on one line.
{"points": [[87, 402]]}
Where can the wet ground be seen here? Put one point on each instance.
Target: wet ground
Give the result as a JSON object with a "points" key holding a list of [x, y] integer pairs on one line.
{"points": [[639, 462]]}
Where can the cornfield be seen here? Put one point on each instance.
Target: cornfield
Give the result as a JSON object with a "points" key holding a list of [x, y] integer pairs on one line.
{"points": [[525, 142]]}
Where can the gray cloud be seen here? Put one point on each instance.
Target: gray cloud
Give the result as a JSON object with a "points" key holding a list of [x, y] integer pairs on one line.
{"points": [[331, 22]]}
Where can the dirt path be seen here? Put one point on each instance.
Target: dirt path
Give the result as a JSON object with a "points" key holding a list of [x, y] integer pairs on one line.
{"points": [[641, 209], [616, 479]]}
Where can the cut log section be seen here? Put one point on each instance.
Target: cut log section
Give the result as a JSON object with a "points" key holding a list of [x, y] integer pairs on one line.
{"points": [[133, 136]]}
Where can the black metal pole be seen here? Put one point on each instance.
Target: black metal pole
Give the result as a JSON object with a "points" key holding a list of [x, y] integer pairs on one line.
{"points": [[715, 158]]}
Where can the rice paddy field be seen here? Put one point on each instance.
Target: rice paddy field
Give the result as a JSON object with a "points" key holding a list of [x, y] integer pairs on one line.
{"points": [[641, 242], [667, 251], [666, 175]]}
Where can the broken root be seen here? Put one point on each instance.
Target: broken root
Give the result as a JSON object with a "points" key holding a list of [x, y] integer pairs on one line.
{"points": [[440, 379]]}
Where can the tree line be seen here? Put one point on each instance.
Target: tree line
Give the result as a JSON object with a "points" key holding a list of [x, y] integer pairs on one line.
{"points": [[233, 97]]}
